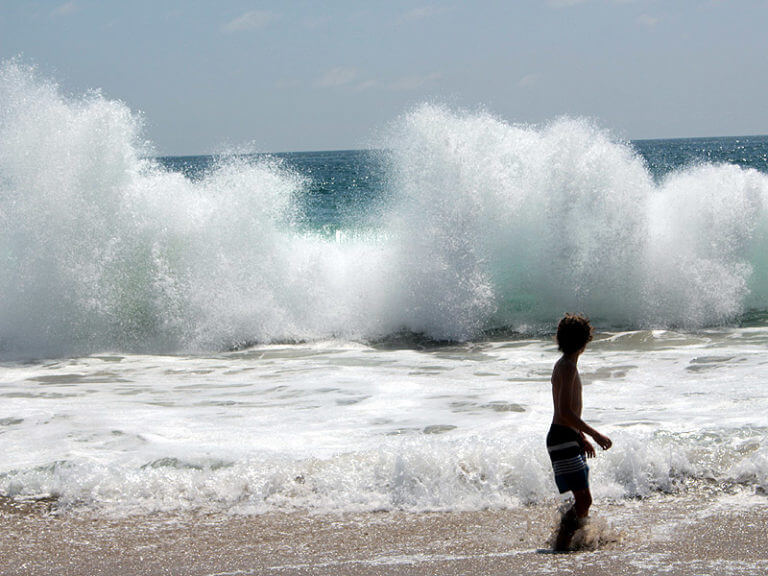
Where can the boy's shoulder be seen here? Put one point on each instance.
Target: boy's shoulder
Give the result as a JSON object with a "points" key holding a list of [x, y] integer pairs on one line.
{"points": [[565, 363], [563, 368]]}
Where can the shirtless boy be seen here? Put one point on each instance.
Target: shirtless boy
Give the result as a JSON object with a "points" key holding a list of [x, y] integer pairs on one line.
{"points": [[566, 442]]}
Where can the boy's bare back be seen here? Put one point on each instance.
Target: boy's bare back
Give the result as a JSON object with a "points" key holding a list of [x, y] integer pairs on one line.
{"points": [[566, 391]]}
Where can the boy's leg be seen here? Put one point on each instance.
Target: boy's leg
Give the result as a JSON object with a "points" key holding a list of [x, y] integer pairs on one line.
{"points": [[583, 502]]}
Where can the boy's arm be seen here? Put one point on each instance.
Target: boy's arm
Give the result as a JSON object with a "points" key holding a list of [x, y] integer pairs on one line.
{"points": [[567, 382]]}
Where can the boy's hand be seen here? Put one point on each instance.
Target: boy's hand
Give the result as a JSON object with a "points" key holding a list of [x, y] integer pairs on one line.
{"points": [[588, 448], [603, 441]]}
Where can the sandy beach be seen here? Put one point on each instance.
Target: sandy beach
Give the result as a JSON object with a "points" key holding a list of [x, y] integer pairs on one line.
{"points": [[699, 533]]}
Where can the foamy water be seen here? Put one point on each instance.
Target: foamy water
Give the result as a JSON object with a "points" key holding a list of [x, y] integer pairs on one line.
{"points": [[134, 280], [335, 426]]}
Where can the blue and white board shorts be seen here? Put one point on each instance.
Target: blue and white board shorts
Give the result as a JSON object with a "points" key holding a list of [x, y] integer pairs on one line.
{"points": [[569, 461]]}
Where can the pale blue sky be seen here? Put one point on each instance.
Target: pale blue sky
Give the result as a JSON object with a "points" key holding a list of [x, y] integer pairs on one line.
{"points": [[303, 75]]}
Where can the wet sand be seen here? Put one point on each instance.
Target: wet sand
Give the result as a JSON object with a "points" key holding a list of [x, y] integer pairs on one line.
{"points": [[697, 533]]}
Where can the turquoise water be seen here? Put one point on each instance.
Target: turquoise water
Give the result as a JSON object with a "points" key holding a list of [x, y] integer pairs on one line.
{"points": [[342, 186]]}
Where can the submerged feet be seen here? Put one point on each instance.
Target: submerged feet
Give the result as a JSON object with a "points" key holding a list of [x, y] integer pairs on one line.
{"points": [[569, 523], [573, 534]]}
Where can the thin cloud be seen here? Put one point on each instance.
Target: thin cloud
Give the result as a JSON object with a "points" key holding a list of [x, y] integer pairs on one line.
{"points": [[314, 23], [339, 76], [283, 83], [408, 83], [64, 9], [252, 20], [565, 3], [351, 78], [423, 12], [528, 80], [366, 85], [647, 20], [569, 3]]}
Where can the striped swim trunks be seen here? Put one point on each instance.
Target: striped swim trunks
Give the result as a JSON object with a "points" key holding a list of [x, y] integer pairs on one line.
{"points": [[568, 459]]}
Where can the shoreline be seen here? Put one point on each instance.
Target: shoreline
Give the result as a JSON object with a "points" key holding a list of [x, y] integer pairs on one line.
{"points": [[693, 533]]}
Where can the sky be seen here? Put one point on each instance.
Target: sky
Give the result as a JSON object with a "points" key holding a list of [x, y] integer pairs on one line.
{"points": [[288, 75]]}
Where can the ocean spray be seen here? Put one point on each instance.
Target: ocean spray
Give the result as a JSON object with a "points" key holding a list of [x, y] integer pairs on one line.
{"points": [[486, 226]]}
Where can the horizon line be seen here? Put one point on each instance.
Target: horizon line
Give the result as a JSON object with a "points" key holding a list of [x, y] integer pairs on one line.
{"points": [[335, 150]]}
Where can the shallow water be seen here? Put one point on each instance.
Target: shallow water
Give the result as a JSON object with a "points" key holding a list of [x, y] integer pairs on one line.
{"points": [[341, 426]]}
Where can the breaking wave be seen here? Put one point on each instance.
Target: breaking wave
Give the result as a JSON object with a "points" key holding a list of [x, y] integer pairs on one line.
{"points": [[487, 226]]}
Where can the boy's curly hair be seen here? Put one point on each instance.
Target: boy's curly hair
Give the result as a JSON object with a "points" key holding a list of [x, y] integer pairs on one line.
{"points": [[573, 333]]}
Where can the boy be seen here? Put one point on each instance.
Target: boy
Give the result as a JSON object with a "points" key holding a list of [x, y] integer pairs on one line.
{"points": [[566, 441]]}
